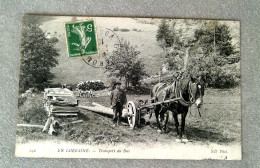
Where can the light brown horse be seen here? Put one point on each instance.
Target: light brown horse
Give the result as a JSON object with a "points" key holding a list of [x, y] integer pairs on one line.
{"points": [[189, 93]]}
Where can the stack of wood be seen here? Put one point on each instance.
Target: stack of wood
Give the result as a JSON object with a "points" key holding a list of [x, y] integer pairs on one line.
{"points": [[60, 102]]}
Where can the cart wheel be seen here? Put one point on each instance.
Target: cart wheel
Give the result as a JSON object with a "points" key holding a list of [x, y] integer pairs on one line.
{"points": [[132, 113]]}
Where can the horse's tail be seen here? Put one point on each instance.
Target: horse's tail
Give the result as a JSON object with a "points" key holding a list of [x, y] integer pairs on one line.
{"points": [[153, 93]]}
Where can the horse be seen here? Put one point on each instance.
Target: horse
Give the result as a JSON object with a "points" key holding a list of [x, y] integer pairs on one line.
{"points": [[187, 92]]}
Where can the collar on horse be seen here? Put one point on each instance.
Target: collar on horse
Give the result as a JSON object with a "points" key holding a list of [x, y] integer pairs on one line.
{"points": [[178, 94]]}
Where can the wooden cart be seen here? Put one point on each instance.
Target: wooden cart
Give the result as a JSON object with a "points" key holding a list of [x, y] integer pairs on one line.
{"points": [[136, 110]]}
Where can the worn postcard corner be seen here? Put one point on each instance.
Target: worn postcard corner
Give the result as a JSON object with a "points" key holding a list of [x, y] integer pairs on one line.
{"points": [[140, 88]]}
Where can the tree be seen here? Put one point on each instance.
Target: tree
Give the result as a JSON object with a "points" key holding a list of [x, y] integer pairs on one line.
{"points": [[209, 56], [164, 35], [215, 38], [38, 56], [206, 70], [173, 47], [204, 56], [125, 64]]}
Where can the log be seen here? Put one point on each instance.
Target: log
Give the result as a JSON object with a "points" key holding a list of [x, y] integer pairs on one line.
{"points": [[65, 114], [103, 110], [65, 109], [73, 122], [99, 109], [51, 129], [47, 124], [31, 126]]}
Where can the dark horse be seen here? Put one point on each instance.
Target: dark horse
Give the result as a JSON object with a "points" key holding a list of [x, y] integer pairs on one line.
{"points": [[188, 92]]}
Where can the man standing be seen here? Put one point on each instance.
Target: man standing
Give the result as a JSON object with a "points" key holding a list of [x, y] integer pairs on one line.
{"points": [[118, 100]]}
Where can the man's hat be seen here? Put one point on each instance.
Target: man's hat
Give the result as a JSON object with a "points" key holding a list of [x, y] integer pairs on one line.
{"points": [[117, 82], [114, 84]]}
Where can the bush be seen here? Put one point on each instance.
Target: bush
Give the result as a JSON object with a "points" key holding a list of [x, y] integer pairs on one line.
{"points": [[115, 29], [229, 76], [212, 75], [21, 100], [141, 89], [124, 30], [32, 110], [94, 85]]}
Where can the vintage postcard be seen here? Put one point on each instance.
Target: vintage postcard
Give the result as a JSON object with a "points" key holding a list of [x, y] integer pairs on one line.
{"points": [[134, 88]]}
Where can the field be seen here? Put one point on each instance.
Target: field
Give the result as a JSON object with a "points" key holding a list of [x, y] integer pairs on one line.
{"points": [[220, 124]]}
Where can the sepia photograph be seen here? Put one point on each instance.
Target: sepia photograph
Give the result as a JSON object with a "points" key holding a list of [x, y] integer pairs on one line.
{"points": [[131, 88]]}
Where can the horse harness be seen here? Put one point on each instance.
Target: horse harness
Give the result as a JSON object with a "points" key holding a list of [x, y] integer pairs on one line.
{"points": [[178, 93]]}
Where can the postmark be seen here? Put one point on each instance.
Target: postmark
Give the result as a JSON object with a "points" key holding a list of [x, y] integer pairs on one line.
{"points": [[108, 42]]}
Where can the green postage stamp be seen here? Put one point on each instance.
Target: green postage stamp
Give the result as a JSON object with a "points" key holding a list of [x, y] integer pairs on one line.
{"points": [[81, 38]]}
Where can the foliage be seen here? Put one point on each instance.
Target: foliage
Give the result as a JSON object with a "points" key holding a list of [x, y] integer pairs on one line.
{"points": [[38, 56], [167, 36], [164, 34], [125, 64], [124, 30], [205, 56], [21, 100], [215, 38], [95, 85], [170, 41], [174, 58], [115, 29], [32, 110], [211, 48], [208, 71]]}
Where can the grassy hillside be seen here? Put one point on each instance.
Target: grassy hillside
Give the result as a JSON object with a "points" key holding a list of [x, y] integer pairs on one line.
{"points": [[139, 32], [73, 70]]}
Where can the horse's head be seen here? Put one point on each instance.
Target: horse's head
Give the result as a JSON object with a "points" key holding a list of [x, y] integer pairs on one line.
{"points": [[196, 91]]}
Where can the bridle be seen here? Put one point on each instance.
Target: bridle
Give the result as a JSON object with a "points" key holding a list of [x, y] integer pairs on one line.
{"points": [[192, 97]]}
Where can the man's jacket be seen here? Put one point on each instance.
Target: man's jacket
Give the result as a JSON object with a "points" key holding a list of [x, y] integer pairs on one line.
{"points": [[118, 97]]}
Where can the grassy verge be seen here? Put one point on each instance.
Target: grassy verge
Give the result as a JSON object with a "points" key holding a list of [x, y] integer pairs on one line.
{"points": [[31, 110]]}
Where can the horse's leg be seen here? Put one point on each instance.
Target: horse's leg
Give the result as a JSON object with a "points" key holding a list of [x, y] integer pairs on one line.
{"points": [[176, 122], [166, 115], [183, 133], [157, 112], [150, 116], [163, 121]]}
